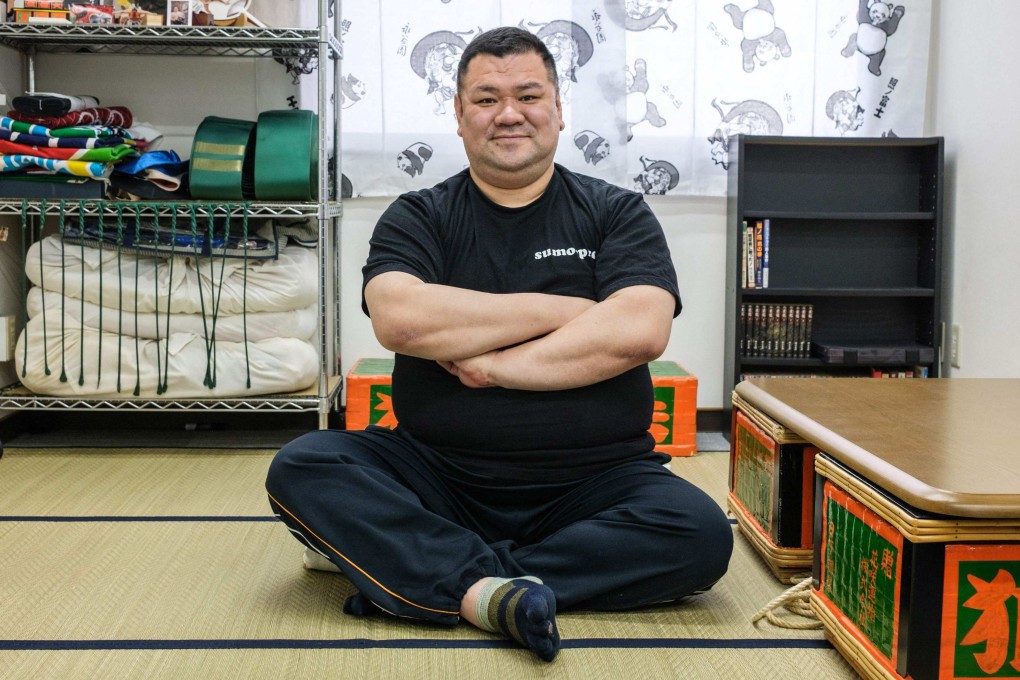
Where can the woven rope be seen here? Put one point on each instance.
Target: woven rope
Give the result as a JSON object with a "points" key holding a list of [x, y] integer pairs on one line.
{"points": [[794, 600]]}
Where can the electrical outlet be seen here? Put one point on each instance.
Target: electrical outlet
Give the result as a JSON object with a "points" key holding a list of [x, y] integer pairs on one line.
{"points": [[954, 346]]}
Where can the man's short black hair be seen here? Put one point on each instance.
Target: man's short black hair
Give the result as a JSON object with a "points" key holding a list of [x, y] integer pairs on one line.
{"points": [[499, 42]]}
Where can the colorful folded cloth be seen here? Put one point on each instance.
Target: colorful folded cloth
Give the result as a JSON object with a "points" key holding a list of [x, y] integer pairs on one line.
{"points": [[109, 154], [105, 115], [166, 160], [52, 103], [89, 169], [8, 123], [64, 142]]}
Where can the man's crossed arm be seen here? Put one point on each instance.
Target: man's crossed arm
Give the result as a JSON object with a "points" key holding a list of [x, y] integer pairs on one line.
{"points": [[529, 341]]}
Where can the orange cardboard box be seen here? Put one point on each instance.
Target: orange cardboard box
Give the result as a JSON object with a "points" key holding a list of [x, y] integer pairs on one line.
{"points": [[369, 402]]}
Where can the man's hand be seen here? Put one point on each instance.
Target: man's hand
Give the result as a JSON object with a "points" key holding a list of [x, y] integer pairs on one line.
{"points": [[472, 372]]}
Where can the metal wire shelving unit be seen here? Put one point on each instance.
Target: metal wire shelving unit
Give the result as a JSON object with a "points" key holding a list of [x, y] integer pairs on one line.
{"points": [[160, 40], [211, 41]]}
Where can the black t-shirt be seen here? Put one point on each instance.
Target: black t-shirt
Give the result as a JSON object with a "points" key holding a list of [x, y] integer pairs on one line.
{"points": [[583, 237]]}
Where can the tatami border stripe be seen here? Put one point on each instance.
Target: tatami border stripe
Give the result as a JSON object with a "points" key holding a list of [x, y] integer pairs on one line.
{"points": [[360, 643], [150, 518], [138, 518]]}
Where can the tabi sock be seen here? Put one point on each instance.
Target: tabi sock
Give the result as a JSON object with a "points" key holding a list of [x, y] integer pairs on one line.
{"points": [[523, 609]]}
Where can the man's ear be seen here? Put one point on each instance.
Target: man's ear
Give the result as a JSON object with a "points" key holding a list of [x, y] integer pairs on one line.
{"points": [[458, 113], [559, 111]]}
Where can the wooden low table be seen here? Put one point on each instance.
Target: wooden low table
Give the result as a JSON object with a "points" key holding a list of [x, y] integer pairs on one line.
{"points": [[916, 521]]}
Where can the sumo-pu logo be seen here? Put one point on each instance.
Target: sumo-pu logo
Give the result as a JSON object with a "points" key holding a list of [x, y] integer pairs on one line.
{"points": [[988, 620]]}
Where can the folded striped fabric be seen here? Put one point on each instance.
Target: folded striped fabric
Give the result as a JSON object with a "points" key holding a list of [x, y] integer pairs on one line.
{"points": [[63, 142], [101, 115], [108, 154], [8, 123], [93, 170]]}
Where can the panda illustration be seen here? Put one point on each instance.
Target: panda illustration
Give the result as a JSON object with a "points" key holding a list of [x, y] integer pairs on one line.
{"points": [[412, 160], [592, 145], [877, 21], [762, 38]]}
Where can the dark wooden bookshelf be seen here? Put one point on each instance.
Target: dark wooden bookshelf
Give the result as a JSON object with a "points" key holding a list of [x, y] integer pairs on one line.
{"points": [[855, 231]]}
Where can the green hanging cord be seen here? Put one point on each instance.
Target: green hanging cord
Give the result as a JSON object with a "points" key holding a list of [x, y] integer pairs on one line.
{"points": [[169, 294], [138, 257], [219, 289], [210, 347], [42, 289], [155, 290], [24, 280], [244, 294], [201, 296], [81, 327], [120, 288], [99, 360], [63, 292]]}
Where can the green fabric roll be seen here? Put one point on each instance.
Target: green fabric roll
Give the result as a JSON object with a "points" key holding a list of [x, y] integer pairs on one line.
{"points": [[286, 156], [217, 158]]}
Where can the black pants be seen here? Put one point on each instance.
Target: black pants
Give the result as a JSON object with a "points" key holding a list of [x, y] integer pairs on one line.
{"points": [[413, 535]]}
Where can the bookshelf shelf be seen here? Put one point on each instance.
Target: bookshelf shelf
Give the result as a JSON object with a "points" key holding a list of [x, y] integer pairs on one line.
{"points": [[853, 235], [774, 292], [823, 215]]}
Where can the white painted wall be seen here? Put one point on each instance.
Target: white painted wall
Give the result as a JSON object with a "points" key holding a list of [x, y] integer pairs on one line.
{"points": [[974, 103]]}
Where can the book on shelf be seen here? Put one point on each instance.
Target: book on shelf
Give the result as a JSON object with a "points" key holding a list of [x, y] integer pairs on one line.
{"points": [[744, 254], [754, 253], [749, 256], [759, 244], [779, 330], [918, 371], [913, 373]]}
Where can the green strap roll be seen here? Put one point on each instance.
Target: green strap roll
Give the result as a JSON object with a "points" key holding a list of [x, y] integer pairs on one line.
{"points": [[286, 156], [218, 157]]}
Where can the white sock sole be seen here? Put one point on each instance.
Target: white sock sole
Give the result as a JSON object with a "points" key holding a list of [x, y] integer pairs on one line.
{"points": [[317, 562]]}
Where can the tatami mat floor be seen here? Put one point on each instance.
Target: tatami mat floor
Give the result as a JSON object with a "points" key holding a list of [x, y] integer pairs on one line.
{"points": [[166, 563]]}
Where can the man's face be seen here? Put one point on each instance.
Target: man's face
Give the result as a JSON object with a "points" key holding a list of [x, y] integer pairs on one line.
{"points": [[509, 115]]}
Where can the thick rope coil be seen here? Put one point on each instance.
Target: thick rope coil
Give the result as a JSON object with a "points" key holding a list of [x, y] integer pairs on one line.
{"points": [[794, 600]]}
